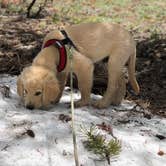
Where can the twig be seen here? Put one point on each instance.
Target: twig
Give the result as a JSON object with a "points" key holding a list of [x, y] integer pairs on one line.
{"points": [[30, 7], [39, 10]]}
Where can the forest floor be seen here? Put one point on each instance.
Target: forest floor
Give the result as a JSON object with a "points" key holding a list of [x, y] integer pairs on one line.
{"points": [[43, 137], [21, 38]]}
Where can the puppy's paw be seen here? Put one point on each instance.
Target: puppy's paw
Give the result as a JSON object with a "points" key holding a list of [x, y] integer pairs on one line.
{"points": [[116, 102], [81, 103], [100, 104]]}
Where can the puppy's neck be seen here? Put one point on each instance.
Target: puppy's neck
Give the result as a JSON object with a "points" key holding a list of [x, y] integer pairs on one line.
{"points": [[48, 57]]}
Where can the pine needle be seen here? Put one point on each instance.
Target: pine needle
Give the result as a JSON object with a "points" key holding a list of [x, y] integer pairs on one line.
{"points": [[99, 145]]}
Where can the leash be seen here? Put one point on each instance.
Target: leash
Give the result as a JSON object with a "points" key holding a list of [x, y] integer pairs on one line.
{"points": [[60, 45], [72, 109]]}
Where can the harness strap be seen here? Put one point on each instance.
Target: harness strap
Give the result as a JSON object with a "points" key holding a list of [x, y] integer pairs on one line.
{"points": [[60, 45], [67, 40], [62, 52]]}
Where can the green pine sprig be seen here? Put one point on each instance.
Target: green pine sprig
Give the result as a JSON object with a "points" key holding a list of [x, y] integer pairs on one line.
{"points": [[98, 144]]}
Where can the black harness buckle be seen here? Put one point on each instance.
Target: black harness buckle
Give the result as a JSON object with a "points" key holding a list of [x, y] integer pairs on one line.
{"points": [[67, 40]]}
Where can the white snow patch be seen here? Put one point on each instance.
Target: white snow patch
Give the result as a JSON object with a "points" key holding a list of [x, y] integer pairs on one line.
{"points": [[52, 144]]}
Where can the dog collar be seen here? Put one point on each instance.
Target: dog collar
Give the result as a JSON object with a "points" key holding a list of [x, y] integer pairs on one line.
{"points": [[62, 52], [60, 44]]}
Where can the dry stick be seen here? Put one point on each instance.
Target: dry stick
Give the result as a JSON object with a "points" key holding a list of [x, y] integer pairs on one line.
{"points": [[39, 10], [30, 7], [72, 110]]}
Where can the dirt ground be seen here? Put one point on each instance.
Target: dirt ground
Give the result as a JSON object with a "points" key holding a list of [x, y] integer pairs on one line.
{"points": [[21, 38]]}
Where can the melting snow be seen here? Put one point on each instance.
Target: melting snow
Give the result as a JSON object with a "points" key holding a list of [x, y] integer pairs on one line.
{"points": [[52, 144]]}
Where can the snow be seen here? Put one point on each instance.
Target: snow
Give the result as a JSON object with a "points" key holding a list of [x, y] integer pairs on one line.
{"points": [[52, 142]]}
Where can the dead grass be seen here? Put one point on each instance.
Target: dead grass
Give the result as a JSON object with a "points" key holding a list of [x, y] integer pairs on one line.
{"points": [[134, 14]]}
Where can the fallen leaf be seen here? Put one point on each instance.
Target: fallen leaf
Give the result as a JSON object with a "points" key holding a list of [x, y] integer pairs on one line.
{"points": [[64, 118], [160, 153], [106, 127]]}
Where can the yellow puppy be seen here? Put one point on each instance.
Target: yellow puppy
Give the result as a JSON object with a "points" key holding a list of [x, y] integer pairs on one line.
{"points": [[92, 42]]}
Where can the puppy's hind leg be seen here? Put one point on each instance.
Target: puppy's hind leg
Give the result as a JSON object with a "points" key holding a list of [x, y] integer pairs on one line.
{"points": [[120, 90], [116, 82]]}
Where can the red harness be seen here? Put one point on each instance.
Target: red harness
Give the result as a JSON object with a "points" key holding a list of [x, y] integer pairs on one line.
{"points": [[62, 52]]}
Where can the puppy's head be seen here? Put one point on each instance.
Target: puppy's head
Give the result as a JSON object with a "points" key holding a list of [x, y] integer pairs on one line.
{"points": [[38, 87]]}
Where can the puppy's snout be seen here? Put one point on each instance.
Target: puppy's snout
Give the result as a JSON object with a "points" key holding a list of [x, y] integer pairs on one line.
{"points": [[30, 106]]}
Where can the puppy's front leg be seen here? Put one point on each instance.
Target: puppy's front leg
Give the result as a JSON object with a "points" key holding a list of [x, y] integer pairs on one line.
{"points": [[62, 78], [83, 68]]}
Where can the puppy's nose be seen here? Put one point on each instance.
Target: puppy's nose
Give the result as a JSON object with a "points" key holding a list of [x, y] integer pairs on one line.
{"points": [[30, 106]]}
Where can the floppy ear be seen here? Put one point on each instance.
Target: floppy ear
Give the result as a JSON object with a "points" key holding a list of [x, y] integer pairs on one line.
{"points": [[19, 86], [51, 92]]}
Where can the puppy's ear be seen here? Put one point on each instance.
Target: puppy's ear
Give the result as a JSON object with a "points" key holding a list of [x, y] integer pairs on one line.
{"points": [[51, 92], [20, 86]]}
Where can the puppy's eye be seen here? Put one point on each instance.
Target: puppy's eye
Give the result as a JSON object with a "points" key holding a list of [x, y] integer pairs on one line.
{"points": [[38, 93]]}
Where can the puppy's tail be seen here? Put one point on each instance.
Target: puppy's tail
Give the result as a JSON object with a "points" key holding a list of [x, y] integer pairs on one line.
{"points": [[131, 72]]}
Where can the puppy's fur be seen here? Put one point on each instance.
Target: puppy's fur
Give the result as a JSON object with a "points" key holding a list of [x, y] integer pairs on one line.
{"points": [[94, 42], [37, 86]]}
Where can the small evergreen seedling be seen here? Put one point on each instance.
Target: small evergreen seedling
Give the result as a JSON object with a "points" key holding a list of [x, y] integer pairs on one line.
{"points": [[98, 144]]}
